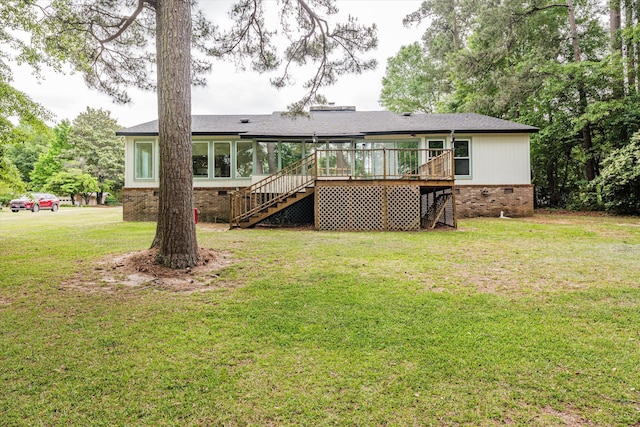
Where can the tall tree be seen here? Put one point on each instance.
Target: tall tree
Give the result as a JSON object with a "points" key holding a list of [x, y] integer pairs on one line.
{"points": [[418, 76], [16, 106], [52, 161], [175, 232], [587, 143], [96, 150], [109, 42], [30, 143], [630, 43], [412, 82], [450, 24]]}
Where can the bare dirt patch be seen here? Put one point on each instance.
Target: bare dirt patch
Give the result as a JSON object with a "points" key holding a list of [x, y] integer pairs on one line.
{"points": [[137, 270], [567, 418]]}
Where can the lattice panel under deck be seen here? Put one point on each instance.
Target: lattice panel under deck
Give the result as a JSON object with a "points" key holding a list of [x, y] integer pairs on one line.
{"points": [[403, 208], [367, 208], [333, 208]]}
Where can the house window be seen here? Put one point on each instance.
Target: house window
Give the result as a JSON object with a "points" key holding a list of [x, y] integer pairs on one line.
{"points": [[222, 159], [200, 158], [267, 158], [408, 157], [435, 147], [312, 147], [462, 157], [415, 144], [143, 153], [290, 152], [244, 159], [436, 144]]}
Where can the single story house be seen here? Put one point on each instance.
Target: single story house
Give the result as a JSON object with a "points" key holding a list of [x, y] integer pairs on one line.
{"points": [[364, 169]]}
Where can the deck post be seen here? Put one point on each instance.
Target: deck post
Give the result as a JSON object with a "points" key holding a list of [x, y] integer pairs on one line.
{"points": [[384, 163], [453, 190]]}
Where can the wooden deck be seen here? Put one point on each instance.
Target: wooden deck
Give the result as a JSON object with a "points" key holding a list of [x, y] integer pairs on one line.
{"points": [[388, 181]]}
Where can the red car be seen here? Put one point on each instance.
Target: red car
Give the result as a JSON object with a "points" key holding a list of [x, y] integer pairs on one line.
{"points": [[34, 202]]}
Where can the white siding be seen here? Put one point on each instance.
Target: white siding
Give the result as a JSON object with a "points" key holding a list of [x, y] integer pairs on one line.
{"points": [[495, 159], [499, 159]]}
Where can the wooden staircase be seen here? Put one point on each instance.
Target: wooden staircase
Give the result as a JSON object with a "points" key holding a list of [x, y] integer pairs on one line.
{"points": [[273, 194], [435, 211], [278, 207]]}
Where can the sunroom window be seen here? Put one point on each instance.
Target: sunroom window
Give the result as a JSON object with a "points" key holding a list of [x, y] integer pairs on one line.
{"points": [[200, 157], [143, 153], [267, 158], [244, 159], [222, 159], [290, 152]]}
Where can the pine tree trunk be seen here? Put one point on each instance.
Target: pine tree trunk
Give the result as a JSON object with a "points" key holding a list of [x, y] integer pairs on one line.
{"points": [[175, 232], [616, 45], [587, 143], [632, 10], [614, 25]]}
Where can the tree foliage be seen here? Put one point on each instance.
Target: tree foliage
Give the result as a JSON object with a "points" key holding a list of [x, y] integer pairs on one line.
{"points": [[72, 182], [95, 149], [412, 82], [53, 160], [30, 143], [16, 106], [113, 43], [10, 182], [619, 182], [555, 65]]}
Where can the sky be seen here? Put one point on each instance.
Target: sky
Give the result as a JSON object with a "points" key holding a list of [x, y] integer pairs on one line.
{"points": [[232, 92]]}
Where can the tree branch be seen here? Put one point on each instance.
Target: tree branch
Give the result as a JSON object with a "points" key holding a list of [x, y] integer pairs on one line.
{"points": [[125, 23]]}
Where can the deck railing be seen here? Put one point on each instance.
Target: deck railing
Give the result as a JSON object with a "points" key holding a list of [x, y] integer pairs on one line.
{"points": [[351, 164], [385, 163]]}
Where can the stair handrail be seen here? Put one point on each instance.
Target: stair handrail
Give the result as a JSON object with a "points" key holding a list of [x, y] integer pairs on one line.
{"points": [[439, 166], [273, 189]]}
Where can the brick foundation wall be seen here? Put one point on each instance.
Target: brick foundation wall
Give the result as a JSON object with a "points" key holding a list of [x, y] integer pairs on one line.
{"points": [[489, 200], [141, 204]]}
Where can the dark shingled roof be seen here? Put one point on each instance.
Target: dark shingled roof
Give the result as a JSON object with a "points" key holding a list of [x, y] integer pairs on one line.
{"points": [[337, 124]]}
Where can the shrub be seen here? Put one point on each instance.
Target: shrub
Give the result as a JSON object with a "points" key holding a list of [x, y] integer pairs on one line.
{"points": [[619, 182]]}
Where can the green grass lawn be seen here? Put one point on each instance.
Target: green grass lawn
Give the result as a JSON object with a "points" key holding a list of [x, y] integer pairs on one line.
{"points": [[503, 322]]}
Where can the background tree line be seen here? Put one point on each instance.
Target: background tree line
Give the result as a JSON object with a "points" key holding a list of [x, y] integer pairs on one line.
{"points": [[568, 67], [84, 158]]}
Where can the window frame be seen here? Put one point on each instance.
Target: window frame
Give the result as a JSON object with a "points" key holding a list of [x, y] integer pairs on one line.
{"points": [[467, 158], [208, 144], [136, 151], [213, 160], [236, 158]]}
